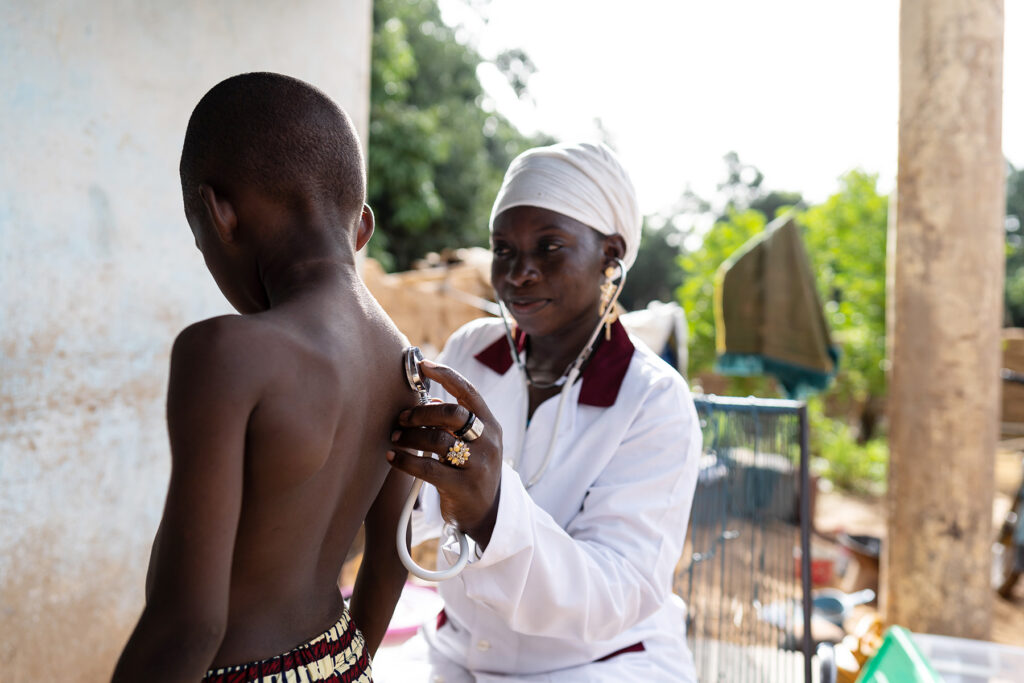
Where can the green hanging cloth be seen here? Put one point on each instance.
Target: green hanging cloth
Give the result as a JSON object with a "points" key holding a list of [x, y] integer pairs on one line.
{"points": [[768, 318]]}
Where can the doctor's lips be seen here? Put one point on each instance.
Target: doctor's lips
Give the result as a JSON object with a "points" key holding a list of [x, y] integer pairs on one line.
{"points": [[526, 304]]}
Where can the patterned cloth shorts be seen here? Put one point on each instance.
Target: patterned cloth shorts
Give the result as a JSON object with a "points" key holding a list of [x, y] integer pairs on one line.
{"points": [[339, 654]]}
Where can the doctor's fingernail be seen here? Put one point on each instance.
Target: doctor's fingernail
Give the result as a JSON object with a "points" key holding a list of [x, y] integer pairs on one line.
{"points": [[428, 363], [404, 415], [396, 434], [390, 455]]}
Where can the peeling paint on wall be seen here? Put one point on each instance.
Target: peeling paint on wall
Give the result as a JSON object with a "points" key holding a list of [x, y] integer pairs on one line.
{"points": [[98, 273]]}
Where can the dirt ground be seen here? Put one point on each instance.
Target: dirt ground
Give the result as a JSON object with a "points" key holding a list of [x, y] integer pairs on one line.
{"points": [[856, 515]]}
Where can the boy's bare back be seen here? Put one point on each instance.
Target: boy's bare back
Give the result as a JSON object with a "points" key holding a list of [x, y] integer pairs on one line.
{"points": [[312, 393], [279, 419]]}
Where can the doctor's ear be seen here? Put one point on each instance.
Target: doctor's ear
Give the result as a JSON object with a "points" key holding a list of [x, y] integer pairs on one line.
{"points": [[220, 213], [614, 248]]}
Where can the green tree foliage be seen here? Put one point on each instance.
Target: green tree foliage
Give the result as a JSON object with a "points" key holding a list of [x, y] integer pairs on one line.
{"points": [[697, 294], [741, 186], [745, 206], [1014, 246], [743, 189], [517, 67], [841, 458], [436, 155], [775, 202], [655, 275], [846, 237]]}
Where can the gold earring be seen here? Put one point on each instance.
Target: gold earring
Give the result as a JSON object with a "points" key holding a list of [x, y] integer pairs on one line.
{"points": [[607, 292]]}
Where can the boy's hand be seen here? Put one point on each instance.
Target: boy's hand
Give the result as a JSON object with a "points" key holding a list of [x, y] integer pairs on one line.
{"points": [[469, 493]]}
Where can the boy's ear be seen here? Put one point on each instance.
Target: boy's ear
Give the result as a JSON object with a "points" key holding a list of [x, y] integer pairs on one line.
{"points": [[221, 214], [365, 228]]}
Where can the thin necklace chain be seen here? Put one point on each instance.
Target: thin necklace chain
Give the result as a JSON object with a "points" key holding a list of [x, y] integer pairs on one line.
{"points": [[565, 373]]}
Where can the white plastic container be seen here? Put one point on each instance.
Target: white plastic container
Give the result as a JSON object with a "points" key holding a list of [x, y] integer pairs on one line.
{"points": [[960, 660]]}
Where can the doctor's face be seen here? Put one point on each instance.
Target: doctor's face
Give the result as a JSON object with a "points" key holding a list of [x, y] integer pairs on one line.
{"points": [[547, 269]]}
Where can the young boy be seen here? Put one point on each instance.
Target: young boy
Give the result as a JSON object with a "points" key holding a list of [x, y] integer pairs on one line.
{"points": [[279, 418]]}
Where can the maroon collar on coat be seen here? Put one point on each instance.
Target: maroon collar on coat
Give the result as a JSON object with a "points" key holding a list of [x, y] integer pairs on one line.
{"points": [[602, 378]]}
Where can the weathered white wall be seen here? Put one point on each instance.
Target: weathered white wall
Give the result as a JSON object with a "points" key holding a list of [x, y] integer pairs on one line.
{"points": [[98, 273]]}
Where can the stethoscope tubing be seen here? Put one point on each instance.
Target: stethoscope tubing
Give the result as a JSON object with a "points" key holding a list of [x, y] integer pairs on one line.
{"points": [[403, 546]]}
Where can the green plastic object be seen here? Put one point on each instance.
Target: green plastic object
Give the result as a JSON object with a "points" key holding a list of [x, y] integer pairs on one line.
{"points": [[898, 660]]}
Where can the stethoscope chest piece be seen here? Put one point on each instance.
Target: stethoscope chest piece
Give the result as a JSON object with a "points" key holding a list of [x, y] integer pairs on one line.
{"points": [[420, 384]]}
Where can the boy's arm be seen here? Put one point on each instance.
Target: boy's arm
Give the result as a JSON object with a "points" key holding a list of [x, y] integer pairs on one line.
{"points": [[381, 573], [209, 400]]}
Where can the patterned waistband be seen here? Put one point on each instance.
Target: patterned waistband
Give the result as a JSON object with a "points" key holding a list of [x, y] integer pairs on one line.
{"points": [[338, 654]]}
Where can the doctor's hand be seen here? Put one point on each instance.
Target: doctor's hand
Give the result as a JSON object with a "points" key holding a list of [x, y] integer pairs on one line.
{"points": [[469, 493]]}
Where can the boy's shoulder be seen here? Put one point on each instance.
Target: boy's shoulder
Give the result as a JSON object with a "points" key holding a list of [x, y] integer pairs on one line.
{"points": [[223, 335], [229, 348], [222, 327]]}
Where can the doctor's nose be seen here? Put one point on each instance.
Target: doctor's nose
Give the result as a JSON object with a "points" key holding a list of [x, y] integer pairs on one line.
{"points": [[523, 271]]}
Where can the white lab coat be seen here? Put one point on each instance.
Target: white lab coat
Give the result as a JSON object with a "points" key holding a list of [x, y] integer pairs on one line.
{"points": [[580, 565]]}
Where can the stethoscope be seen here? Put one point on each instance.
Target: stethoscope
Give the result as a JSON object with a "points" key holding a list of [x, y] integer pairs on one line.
{"points": [[412, 357], [568, 378]]}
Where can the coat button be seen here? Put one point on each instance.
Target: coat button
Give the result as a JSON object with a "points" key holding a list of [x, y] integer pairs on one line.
{"points": [[483, 645]]}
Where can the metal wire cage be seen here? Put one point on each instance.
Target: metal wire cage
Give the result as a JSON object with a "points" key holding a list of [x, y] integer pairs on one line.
{"points": [[745, 572]]}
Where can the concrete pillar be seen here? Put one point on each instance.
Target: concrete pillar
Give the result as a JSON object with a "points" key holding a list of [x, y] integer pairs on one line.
{"points": [[945, 298]]}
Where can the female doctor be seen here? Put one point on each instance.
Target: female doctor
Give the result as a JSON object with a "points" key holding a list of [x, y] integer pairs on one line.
{"points": [[567, 451]]}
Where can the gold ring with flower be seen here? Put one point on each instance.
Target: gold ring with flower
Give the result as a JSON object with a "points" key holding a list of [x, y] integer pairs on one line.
{"points": [[458, 454]]}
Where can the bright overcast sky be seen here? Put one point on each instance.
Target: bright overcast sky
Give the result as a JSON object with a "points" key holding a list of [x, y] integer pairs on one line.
{"points": [[803, 89]]}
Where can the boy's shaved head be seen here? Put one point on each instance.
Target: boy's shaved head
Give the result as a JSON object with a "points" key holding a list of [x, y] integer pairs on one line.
{"points": [[275, 134]]}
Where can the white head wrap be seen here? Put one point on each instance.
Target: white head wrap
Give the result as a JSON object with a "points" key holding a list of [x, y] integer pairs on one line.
{"points": [[584, 181]]}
